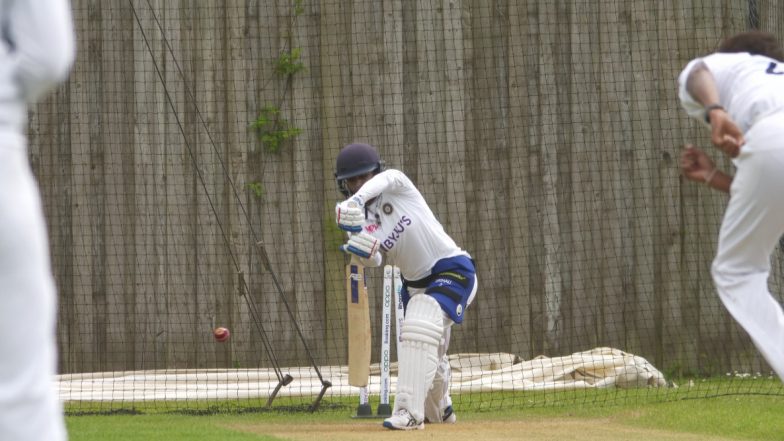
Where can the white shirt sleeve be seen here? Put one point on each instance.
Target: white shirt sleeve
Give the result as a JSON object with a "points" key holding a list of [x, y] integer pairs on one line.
{"points": [[386, 180], [749, 87], [692, 107], [373, 188], [42, 44]]}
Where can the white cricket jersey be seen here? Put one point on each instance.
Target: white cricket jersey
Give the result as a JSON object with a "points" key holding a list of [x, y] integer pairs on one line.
{"points": [[36, 53], [750, 87], [411, 237]]}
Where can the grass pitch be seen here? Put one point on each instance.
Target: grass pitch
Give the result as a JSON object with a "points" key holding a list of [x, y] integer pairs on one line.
{"points": [[741, 417]]}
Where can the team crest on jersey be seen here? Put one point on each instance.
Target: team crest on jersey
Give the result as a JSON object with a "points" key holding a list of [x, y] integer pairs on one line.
{"points": [[387, 208]]}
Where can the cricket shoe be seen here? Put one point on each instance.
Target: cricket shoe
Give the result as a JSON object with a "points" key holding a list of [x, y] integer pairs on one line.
{"points": [[402, 420], [449, 416]]}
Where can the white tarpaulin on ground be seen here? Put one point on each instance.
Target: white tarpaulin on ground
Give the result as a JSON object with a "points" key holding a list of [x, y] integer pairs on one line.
{"points": [[596, 368]]}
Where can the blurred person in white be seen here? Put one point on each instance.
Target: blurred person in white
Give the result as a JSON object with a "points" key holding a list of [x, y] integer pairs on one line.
{"points": [[738, 91], [37, 49]]}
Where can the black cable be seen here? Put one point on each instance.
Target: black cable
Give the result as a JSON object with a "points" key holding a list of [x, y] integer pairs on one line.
{"points": [[266, 260]]}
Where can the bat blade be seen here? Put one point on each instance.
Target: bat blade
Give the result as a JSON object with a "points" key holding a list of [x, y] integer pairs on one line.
{"points": [[358, 325]]}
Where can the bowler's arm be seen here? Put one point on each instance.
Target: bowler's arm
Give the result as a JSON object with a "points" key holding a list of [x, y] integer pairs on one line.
{"points": [[43, 44], [701, 85]]}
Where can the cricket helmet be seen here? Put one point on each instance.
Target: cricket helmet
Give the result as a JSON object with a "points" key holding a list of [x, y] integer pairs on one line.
{"points": [[356, 160]]}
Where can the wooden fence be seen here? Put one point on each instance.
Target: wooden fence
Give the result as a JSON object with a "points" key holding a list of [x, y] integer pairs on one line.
{"points": [[543, 133]]}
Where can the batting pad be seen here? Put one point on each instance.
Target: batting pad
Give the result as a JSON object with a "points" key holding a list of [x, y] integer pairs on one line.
{"points": [[438, 397], [421, 335]]}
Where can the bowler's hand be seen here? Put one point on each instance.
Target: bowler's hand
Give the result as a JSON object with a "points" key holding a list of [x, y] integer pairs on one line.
{"points": [[725, 134], [695, 164]]}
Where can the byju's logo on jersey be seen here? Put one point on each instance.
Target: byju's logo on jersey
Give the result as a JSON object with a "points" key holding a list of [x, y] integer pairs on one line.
{"points": [[393, 237]]}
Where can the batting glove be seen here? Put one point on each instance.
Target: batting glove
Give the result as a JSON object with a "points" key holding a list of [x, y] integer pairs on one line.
{"points": [[361, 244], [350, 216]]}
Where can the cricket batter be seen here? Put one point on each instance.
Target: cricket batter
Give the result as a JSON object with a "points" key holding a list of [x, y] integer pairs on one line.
{"points": [[37, 48], [394, 221], [739, 92]]}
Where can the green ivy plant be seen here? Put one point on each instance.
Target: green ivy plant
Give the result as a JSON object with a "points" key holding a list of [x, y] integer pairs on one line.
{"points": [[256, 188], [288, 63], [272, 130]]}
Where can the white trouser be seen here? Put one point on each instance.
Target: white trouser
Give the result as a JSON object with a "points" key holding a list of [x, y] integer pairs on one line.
{"points": [[424, 372], [29, 408], [752, 226]]}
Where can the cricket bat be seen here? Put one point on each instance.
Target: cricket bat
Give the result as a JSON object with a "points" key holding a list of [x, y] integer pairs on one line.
{"points": [[358, 324]]}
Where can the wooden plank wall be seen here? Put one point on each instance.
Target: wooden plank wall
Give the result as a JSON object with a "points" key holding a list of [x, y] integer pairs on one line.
{"points": [[544, 135]]}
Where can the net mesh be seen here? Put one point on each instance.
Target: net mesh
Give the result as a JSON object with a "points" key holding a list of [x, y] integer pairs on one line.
{"points": [[187, 174]]}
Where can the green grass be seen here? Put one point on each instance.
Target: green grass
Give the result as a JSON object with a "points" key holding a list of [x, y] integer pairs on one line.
{"points": [[153, 428], [746, 417], [742, 417]]}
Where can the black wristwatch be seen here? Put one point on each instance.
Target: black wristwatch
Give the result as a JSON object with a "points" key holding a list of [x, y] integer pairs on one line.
{"points": [[710, 108]]}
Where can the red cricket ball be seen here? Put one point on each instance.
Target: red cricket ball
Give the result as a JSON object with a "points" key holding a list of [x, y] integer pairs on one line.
{"points": [[221, 334]]}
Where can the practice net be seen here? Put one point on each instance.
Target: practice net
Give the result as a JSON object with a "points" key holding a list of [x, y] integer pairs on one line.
{"points": [[187, 174]]}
